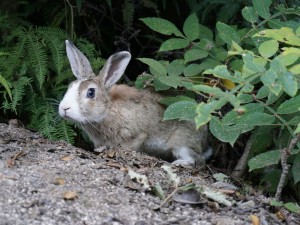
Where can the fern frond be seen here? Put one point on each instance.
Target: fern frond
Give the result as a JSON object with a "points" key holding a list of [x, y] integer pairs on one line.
{"points": [[86, 47], [56, 47], [128, 10], [18, 92], [38, 58], [63, 76], [13, 61], [64, 131], [46, 118], [7, 85]]}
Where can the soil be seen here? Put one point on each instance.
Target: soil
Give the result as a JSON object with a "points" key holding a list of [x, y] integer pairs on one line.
{"points": [[47, 182]]}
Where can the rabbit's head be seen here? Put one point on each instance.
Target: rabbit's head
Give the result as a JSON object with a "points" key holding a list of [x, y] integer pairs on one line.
{"points": [[87, 98]]}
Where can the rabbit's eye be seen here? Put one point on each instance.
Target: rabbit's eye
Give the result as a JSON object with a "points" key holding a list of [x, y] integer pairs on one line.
{"points": [[90, 93]]}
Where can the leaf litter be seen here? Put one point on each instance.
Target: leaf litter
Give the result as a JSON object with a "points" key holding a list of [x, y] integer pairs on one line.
{"points": [[62, 184]]}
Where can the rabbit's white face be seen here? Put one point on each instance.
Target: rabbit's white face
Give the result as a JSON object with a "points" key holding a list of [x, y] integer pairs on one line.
{"points": [[84, 102], [87, 98]]}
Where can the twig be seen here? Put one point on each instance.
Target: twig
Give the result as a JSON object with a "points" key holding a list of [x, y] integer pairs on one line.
{"points": [[285, 153], [169, 197], [241, 166]]}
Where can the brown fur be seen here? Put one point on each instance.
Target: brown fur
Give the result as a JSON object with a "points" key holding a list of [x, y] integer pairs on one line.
{"points": [[122, 116]]}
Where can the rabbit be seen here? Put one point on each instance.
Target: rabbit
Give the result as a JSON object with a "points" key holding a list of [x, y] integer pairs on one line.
{"points": [[123, 116]]}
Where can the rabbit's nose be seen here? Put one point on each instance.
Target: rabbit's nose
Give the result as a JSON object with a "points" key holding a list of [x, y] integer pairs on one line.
{"points": [[63, 110]]}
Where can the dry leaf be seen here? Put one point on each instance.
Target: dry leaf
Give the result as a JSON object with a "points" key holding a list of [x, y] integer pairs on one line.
{"points": [[190, 196], [111, 154], [280, 215], [254, 220], [66, 158], [228, 84], [70, 195], [59, 181]]}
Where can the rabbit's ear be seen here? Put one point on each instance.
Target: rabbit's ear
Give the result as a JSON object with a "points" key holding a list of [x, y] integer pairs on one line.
{"points": [[80, 65], [114, 68]]}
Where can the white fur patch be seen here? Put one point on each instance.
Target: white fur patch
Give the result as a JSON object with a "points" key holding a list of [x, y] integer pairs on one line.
{"points": [[69, 106]]}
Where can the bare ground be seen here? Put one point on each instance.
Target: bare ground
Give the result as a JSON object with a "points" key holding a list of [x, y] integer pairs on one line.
{"points": [[46, 182]]}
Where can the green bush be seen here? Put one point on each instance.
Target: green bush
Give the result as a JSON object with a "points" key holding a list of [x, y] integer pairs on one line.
{"points": [[254, 67]]}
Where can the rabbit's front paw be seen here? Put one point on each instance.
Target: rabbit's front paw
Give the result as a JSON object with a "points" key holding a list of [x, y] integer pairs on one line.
{"points": [[100, 149]]}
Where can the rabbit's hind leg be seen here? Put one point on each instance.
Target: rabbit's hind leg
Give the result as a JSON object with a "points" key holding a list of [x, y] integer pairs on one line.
{"points": [[186, 157]]}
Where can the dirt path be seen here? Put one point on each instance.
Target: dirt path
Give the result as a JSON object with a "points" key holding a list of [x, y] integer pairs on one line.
{"points": [[45, 182]]}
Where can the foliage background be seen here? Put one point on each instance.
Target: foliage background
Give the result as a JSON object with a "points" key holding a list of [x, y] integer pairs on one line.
{"points": [[232, 64]]}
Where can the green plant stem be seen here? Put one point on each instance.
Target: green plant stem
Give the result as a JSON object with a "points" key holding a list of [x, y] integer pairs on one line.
{"points": [[284, 122]]}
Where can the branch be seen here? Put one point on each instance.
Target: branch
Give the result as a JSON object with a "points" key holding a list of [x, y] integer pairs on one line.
{"points": [[241, 166], [285, 153]]}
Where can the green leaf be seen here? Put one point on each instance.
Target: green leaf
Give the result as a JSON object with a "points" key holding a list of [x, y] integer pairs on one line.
{"points": [[295, 69], [174, 43], [217, 92], [205, 32], [173, 81], [284, 34], [289, 83], [222, 132], [296, 169], [204, 113], [162, 26], [171, 100], [227, 33], [159, 86], [292, 207], [267, 159], [270, 79], [183, 110], [191, 27], [249, 14], [221, 71], [262, 8], [287, 59], [268, 48], [264, 159], [263, 92], [289, 106], [192, 70], [176, 67], [155, 65], [142, 80], [194, 54], [250, 65], [6, 85]]}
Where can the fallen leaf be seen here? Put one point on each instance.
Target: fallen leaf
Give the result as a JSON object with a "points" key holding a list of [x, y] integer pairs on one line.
{"points": [[111, 154], [66, 158], [215, 195], [158, 191], [141, 179], [10, 163], [113, 164], [70, 195], [280, 215], [190, 196], [129, 183], [173, 176], [254, 220], [59, 181]]}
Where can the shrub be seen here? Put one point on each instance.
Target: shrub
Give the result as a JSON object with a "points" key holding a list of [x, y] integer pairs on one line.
{"points": [[253, 67]]}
